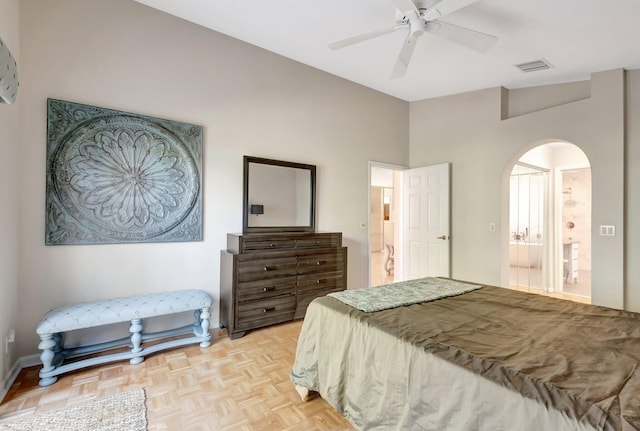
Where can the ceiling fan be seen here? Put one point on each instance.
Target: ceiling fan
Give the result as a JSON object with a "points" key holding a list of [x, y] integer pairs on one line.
{"points": [[420, 16]]}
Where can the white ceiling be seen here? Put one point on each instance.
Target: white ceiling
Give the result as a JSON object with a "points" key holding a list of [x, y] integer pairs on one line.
{"points": [[577, 37]]}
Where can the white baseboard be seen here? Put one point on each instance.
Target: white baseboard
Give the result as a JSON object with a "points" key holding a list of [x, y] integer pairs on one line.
{"points": [[9, 379], [23, 362], [29, 361]]}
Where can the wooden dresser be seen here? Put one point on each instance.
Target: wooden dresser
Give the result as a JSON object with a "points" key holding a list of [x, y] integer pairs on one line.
{"points": [[271, 278]]}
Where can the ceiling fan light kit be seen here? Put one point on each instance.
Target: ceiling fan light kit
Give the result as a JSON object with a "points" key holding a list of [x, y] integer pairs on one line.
{"points": [[8, 75], [422, 16]]}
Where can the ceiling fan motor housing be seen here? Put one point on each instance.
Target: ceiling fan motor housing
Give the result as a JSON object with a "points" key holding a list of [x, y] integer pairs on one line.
{"points": [[425, 8], [425, 4]]}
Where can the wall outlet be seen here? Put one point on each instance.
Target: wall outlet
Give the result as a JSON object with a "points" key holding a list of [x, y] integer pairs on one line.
{"points": [[492, 227]]}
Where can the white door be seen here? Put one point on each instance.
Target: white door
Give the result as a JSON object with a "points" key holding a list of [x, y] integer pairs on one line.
{"points": [[426, 206]]}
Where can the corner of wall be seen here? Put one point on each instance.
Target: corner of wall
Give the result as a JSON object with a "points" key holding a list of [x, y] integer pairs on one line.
{"points": [[24, 362], [504, 103], [524, 101], [9, 195]]}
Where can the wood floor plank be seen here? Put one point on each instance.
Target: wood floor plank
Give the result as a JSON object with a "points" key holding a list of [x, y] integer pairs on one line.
{"points": [[237, 385]]}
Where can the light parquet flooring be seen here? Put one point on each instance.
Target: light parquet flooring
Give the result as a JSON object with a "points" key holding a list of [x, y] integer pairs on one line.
{"points": [[241, 384]]}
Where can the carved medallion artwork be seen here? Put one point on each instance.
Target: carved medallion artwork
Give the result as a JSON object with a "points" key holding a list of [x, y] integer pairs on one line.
{"points": [[116, 177]]}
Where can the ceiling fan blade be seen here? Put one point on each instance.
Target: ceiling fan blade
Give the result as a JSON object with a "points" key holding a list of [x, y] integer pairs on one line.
{"points": [[338, 44], [402, 63], [461, 35], [406, 5], [445, 7]]}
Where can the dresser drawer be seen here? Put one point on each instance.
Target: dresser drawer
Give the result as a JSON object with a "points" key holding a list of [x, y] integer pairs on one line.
{"points": [[266, 312], [305, 299], [320, 262], [320, 281], [268, 244], [263, 289], [319, 241], [260, 269]]}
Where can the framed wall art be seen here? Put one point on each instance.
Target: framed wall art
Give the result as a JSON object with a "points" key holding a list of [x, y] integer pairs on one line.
{"points": [[116, 177], [8, 75]]}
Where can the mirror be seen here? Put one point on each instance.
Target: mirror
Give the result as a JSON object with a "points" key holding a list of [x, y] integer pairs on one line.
{"points": [[278, 196]]}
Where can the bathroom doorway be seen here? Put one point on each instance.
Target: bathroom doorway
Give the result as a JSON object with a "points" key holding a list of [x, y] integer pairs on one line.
{"points": [[384, 222], [576, 231], [550, 222]]}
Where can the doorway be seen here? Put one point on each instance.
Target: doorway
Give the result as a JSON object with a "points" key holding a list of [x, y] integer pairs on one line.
{"points": [[576, 231], [549, 249], [409, 222], [384, 222]]}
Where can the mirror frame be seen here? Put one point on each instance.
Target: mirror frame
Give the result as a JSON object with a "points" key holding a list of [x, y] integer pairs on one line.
{"points": [[245, 198]]}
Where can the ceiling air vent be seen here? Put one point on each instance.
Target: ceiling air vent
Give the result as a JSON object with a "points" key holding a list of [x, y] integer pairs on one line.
{"points": [[533, 66]]}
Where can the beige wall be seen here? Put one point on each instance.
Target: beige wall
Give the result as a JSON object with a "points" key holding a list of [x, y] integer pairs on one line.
{"points": [[9, 156], [632, 191], [122, 55], [482, 138], [119, 54]]}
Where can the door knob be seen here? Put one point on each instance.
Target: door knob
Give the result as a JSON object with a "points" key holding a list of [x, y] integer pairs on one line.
{"points": [[443, 237]]}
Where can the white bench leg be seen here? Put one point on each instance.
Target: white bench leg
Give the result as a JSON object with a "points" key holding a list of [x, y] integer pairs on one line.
{"points": [[202, 318], [47, 345], [136, 340], [58, 358]]}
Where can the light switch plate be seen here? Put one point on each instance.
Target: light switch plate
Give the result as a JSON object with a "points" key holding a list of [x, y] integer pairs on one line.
{"points": [[607, 230]]}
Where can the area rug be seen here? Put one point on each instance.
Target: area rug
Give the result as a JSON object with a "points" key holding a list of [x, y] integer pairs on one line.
{"points": [[125, 411]]}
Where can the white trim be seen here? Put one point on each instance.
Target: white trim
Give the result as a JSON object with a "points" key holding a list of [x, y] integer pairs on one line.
{"points": [[19, 365], [30, 361]]}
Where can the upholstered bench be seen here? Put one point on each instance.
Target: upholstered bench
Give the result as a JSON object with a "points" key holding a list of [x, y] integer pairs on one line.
{"points": [[131, 309]]}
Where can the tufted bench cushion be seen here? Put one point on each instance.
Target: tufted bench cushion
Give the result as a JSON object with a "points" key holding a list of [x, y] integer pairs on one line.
{"points": [[131, 309], [91, 314]]}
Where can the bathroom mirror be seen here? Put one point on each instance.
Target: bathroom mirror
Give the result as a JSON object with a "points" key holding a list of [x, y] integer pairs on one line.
{"points": [[278, 196]]}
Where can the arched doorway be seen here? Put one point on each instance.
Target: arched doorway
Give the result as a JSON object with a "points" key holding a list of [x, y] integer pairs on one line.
{"points": [[549, 244]]}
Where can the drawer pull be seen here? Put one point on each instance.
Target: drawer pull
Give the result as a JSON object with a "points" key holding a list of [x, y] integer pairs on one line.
{"points": [[321, 262], [269, 267], [321, 281], [272, 245], [268, 289], [268, 309]]}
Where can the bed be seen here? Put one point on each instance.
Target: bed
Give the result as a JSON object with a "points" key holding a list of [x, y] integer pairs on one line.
{"points": [[488, 358]]}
